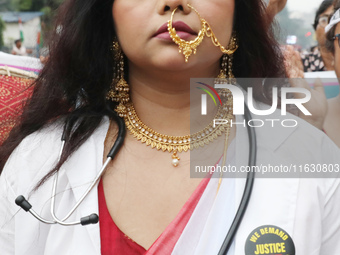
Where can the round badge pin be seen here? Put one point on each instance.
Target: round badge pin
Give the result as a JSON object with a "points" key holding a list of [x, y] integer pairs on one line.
{"points": [[269, 240]]}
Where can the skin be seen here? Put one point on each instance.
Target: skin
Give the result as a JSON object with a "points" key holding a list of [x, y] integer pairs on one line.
{"points": [[321, 38], [143, 191], [274, 7], [332, 121]]}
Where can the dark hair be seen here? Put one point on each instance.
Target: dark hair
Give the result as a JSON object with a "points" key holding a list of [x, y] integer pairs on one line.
{"points": [[330, 34], [80, 67], [322, 8], [16, 41]]}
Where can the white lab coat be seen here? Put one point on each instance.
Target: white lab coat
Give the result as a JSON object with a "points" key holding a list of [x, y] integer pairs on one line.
{"points": [[307, 209]]}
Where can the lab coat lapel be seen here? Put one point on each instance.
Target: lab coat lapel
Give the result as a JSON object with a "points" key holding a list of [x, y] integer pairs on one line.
{"points": [[273, 203], [269, 196], [81, 170], [265, 137]]}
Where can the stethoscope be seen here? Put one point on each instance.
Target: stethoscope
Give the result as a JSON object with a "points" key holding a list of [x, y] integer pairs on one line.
{"points": [[93, 218]]}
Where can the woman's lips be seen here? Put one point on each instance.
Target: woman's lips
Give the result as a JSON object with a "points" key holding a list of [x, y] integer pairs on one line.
{"points": [[183, 31]]}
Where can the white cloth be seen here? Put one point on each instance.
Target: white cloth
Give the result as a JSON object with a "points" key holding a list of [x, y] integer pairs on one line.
{"points": [[21, 62], [334, 20], [307, 209]]}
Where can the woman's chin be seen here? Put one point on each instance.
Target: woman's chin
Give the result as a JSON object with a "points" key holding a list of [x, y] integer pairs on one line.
{"points": [[175, 62]]}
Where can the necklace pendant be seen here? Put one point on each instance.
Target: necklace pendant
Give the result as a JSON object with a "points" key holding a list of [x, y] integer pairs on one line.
{"points": [[175, 159]]}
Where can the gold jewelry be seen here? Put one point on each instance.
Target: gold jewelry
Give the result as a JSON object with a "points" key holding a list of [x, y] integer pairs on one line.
{"points": [[179, 144], [190, 47], [187, 47], [224, 159], [119, 91], [224, 67], [226, 73]]}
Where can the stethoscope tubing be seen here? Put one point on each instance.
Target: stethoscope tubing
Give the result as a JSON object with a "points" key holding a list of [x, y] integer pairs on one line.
{"points": [[93, 218], [247, 190]]}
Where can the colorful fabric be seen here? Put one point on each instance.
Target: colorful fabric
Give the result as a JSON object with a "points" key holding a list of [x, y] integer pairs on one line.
{"points": [[13, 93], [114, 241]]}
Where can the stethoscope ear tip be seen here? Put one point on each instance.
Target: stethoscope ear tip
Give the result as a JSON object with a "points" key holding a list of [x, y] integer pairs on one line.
{"points": [[91, 219], [23, 203]]}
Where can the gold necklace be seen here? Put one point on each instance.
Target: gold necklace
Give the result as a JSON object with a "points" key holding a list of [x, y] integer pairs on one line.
{"points": [[174, 144]]}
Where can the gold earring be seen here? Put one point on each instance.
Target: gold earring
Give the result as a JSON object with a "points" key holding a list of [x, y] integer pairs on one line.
{"points": [[226, 73], [225, 76], [224, 67], [119, 91], [190, 47]]}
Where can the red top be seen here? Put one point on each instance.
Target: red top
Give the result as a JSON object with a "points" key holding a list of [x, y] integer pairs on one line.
{"points": [[114, 241]]}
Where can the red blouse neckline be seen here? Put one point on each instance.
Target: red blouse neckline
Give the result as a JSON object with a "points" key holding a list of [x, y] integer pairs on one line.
{"points": [[114, 241]]}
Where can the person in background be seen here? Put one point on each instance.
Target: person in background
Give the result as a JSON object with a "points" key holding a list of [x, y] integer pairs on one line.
{"points": [[324, 113], [19, 49], [317, 105], [332, 120], [320, 59]]}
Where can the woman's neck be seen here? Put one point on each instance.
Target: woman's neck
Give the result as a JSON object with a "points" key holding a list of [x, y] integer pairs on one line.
{"points": [[162, 98]]}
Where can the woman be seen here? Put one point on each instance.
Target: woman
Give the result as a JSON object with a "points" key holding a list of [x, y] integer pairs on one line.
{"points": [[146, 201], [331, 123], [319, 59]]}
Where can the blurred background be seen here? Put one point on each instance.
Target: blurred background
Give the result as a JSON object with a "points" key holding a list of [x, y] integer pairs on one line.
{"points": [[30, 20], [295, 23]]}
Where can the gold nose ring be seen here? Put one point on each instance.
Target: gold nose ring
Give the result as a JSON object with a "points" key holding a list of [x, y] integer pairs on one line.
{"points": [[187, 47], [190, 47]]}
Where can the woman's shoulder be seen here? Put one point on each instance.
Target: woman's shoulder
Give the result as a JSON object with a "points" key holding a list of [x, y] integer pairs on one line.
{"points": [[312, 138], [35, 146], [29, 162], [48, 139], [38, 153], [291, 133]]}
